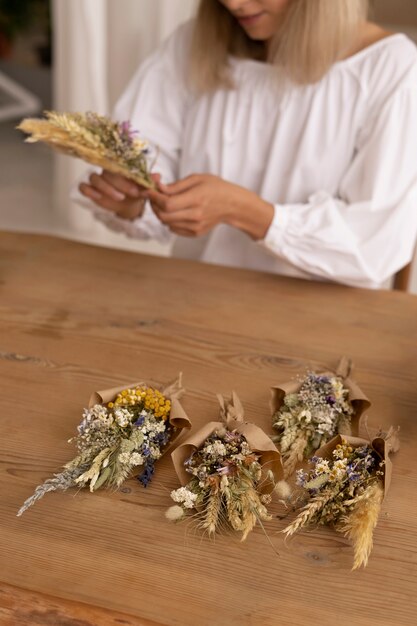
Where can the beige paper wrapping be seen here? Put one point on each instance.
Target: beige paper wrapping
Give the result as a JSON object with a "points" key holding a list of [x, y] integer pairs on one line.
{"points": [[231, 413], [178, 418], [344, 369], [383, 446]]}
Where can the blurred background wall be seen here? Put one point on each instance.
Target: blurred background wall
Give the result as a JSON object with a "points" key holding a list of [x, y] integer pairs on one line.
{"points": [[79, 55], [402, 12]]}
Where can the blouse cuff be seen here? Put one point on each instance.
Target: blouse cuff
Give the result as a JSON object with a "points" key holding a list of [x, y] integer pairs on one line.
{"points": [[145, 227], [273, 239], [137, 229]]}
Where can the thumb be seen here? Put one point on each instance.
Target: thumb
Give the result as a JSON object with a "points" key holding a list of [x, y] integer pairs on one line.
{"points": [[156, 178]]}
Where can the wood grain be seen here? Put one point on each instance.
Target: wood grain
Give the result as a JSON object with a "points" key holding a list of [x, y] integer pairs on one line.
{"points": [[77, 318], [19, 607]]}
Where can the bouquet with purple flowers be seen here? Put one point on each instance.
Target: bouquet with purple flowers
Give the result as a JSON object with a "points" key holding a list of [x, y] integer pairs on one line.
{"points": [[114, 146], [122, 429], [309, 412], [345, 487]]}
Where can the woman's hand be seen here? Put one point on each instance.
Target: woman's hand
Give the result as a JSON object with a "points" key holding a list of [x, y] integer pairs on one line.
{"points": [[194, 205], [116, 193]]}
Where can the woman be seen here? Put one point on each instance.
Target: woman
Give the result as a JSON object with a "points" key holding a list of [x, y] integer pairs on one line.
{"points": [[287, 142]]}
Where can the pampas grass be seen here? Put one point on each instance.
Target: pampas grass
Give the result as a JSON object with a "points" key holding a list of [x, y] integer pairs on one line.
{"points": [[359, 525], [283, 490], [174, 513]]}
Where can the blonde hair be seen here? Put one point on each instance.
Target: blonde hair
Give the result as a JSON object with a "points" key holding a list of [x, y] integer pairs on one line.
{"points": [[314, 35]]}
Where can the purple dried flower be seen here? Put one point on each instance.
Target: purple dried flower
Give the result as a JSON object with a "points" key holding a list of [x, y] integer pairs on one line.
{"points": [[126, 130], [148, 471]]}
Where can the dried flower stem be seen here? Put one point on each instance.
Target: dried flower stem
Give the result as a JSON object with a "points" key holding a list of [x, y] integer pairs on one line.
{"points": [[294, 456], [62, 481], [212, 511], [315, 505]]}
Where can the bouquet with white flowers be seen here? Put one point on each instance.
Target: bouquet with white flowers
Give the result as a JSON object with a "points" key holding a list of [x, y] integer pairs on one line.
{"points": [[122, 429], [309, 412]]}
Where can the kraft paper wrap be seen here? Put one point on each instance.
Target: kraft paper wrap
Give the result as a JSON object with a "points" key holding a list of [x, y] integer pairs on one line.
{"points": [[344, 369], [231, 414], [178, 418], [383, 445]]}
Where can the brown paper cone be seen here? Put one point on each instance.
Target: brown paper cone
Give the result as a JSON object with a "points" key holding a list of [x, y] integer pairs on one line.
{"points": [[231, 412], [344, 369]]}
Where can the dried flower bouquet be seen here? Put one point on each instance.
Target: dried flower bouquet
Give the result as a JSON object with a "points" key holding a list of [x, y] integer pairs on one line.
{"points": [[309, 412], [345, 487], [123, 429], [227, 471], [96, 139]]}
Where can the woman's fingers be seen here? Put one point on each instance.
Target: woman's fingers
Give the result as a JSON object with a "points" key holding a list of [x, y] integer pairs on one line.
{"points": [[156, 178], [118, 187], [100, 199], [181, 185], [105, 188], [122, 184], [171, 204], [185, 216], [183, 232], [90, 192]]}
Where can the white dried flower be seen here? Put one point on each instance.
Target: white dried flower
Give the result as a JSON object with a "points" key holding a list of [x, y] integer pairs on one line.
{"points": [[155, 452], [136, 459], [305, 415], [123, 417], [322, 466], [217, 448], [184, 496]]}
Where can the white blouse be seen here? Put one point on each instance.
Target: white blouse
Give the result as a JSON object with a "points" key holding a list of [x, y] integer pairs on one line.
{"points": [[338, 159]]}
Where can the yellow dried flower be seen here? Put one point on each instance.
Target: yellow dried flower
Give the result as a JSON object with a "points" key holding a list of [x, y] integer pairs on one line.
{"points": [[152, 399]]}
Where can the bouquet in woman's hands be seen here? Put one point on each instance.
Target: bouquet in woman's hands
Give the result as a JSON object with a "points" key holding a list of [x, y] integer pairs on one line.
{"points": [[114, 146], [345, 487], [123, 429], [227, 471], [309, 412]]}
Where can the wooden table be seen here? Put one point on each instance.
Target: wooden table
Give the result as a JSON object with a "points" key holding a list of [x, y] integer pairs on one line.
{"points": [[76, 318]]}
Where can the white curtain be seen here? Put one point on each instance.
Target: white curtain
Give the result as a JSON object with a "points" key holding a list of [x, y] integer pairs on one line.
{"points": [[98, 45]]}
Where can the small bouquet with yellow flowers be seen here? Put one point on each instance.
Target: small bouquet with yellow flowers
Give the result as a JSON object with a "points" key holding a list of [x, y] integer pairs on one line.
{"points": [[228, 471], [123, 429], [345, 487], [97, 139]]}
